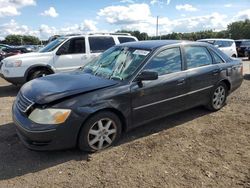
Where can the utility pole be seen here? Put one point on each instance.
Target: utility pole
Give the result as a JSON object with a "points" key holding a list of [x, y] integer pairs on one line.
{"points": [[157, 25]]}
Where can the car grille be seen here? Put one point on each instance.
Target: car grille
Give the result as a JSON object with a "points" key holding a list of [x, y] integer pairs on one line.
{"points": [[23, 103]]}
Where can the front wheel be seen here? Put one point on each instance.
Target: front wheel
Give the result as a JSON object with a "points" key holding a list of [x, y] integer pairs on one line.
{"points": [[218, 97], [99, 132]]}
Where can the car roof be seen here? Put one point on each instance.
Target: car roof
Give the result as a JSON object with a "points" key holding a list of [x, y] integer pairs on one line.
{"points": [[97, 35], [153, 44], [216, 39]]}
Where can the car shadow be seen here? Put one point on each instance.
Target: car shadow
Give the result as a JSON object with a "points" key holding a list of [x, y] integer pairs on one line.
{"points": [[247, 77], [164, 123], [9, 90], [16, 160]]}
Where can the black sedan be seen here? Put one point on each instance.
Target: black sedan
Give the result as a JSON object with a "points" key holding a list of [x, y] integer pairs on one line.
{"points": [[128, 85]]}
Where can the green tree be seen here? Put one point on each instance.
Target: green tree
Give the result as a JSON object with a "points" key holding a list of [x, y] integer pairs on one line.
{"points": [[21, 40], [240, 29]]}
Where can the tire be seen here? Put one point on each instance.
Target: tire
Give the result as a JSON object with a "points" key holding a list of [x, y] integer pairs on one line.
{"points": [[38, 74], [218, 97], [102, 130]]}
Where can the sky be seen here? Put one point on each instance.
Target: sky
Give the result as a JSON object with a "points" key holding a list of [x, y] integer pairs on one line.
{"points": [[44, 18]]}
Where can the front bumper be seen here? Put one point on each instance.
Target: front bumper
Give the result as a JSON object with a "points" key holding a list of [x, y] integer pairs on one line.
{"points": [[53, 137], [14, 80]]}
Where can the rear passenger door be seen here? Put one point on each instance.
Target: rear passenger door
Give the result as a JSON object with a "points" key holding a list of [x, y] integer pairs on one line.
{"points": [[98, 44], [202, 74], [166, 95]]}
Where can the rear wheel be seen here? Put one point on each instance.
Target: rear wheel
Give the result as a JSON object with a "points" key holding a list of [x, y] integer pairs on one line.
{"points": [[99, 132], [218, 97], [38, 74]]}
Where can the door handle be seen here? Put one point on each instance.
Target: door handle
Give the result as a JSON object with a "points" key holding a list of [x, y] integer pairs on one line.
{"points": [[181, 81], [216, 71], [234, 67]]}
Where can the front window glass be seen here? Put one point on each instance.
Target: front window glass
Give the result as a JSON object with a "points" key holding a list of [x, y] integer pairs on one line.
{"points": [[52, 45], [73, 46], [77, 46], [165, 62], [117, 63]]}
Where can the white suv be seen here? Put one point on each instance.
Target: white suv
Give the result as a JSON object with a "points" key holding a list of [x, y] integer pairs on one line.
{"points": [[225, 45], [63, 54]]}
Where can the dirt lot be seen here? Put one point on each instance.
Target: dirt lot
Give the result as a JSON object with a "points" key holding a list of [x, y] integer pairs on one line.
{"points": [[195, 148]]}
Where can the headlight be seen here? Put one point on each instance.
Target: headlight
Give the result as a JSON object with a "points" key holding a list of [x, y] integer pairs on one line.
{"points": [[16, 63], [49, 116]]}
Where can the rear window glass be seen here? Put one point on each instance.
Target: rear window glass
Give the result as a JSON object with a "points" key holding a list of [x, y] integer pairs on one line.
{"points": [[197, 56], [126, 39], [100, 44], [216, 57]]}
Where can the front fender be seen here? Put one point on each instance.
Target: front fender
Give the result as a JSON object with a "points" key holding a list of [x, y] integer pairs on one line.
{"points": [[26, 74], [121, 110]]}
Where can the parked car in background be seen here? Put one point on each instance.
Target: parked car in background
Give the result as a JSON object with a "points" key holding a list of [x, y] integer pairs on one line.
{"points": [[7, 51], [2, 55], [14, 49], [62, 54], [242, 46], [127, 86], [4, 46], [227, 46], [247, 52]]}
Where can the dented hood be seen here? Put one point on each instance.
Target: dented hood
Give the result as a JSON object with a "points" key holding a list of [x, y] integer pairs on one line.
{"points": [[54, 87]]}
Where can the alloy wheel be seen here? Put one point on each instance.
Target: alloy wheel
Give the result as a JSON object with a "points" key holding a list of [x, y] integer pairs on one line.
{"points": [[219, 97], [102, 134]]}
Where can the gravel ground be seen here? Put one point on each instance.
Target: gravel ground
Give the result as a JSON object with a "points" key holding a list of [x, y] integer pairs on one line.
{"points": [[195, 148]]}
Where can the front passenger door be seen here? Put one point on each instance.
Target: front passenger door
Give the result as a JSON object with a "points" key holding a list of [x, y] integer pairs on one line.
{"points": [[166, 95], [71, 55]]}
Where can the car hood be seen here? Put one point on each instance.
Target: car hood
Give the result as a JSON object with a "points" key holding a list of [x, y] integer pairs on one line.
{"points": [[28, 55], [54, 87]]}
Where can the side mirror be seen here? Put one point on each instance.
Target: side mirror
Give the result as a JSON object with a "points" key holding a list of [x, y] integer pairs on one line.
{"points": [[147, 75]]}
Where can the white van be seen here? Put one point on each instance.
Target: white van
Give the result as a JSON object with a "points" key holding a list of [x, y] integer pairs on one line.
{"points": [[227, 46], [66, 53]]}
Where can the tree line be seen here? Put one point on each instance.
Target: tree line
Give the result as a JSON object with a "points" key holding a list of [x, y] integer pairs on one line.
{"points": [[235, 30]]}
